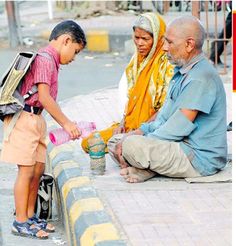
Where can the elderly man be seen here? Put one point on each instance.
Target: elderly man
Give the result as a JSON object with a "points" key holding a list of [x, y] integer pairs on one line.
{"points": [[188, 136]]}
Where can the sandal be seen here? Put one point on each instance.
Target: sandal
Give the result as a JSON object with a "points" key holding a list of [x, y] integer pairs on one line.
{"points": [[24, 230], [41, 224]]}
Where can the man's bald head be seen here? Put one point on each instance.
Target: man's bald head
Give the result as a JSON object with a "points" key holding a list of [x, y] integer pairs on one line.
{"points": [[189, 26]]}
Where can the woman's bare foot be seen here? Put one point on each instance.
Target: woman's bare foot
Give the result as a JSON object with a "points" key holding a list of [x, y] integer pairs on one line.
{"points": [[136, 175]]}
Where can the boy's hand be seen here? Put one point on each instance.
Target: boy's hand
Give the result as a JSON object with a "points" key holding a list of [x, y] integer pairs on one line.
{"points": [[72, 129]]}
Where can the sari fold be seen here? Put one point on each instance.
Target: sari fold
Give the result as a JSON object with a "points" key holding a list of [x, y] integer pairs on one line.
{"points": [[148, 79]]}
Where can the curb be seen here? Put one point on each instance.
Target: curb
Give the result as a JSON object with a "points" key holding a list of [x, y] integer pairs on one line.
{"points": [[85, 220], [100, 40], [103, 40]]}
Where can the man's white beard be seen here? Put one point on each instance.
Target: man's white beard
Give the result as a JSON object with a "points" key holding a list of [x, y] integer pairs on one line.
{"points": [[178, 62]]}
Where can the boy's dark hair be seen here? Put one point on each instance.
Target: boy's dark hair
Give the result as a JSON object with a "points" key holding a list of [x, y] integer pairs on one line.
{"points": [[69, 27]]}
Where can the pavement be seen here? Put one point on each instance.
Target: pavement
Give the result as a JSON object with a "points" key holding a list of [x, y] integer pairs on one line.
{"points": [[161, 211], [105, 210]]}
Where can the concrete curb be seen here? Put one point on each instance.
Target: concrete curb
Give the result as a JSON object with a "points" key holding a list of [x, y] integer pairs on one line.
{"points": [[100, 40], [84, 216]]}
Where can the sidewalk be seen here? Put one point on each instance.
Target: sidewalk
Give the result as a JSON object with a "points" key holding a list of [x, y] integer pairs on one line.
{"points": [[161, 211]]}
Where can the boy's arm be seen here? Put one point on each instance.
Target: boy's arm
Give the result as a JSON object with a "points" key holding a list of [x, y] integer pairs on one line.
{"points": [[54, 110]]}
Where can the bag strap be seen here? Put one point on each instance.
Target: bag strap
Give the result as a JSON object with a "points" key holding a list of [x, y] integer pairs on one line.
{"points": [[31, 92], [11, 125], [43, 194], [34, 88]]}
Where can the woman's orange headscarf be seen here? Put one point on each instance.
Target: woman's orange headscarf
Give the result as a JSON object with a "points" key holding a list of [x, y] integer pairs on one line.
{"points": [[147, 78]]}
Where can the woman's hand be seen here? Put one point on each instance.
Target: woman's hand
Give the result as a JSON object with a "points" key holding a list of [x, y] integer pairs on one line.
{"points": [[119, 129]]}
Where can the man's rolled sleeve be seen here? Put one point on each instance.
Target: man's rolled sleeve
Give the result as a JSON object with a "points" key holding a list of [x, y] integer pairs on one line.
{"points": [[175, 128], [198, 95], [144, 128]]}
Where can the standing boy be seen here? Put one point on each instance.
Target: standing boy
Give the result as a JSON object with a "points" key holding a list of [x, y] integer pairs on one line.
{"points": [[26, 145]]}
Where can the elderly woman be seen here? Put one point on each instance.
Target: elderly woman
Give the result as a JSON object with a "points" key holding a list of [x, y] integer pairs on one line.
{"points": [[146, 77]]}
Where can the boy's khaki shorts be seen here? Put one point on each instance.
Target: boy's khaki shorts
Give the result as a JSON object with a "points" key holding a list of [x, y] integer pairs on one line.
{"points": [[26, 143]]}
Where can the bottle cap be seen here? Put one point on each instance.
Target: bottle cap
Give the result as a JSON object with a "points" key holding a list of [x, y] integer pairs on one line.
{"points": [[52, 138], [96, 134]]}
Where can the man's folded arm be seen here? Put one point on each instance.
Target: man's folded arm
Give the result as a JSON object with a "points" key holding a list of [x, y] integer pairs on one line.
{"points": [[178, 126]]}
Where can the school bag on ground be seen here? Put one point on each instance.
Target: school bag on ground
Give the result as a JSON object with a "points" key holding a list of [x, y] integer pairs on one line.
{"points": [[11, 101], [43, 205]]}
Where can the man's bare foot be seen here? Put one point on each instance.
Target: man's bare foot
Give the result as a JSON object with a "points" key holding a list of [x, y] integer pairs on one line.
{"points": [[135, 175], [123, 163], [124, 171]]}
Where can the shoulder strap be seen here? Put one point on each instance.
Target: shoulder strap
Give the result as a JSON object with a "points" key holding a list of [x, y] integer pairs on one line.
{"points": [[34, 88], [11, 125], [45, 54]]}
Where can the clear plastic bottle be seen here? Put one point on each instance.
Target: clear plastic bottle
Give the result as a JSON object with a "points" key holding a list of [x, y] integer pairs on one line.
{"points": [[60, 136], [97, 154]]}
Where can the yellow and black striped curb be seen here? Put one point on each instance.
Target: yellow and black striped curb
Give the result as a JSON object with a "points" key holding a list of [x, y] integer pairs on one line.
{"points": [[97, 40], [100, 40], [85, 219]]}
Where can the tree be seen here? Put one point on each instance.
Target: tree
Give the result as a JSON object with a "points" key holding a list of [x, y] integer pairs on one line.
{"points": [[13, 23]]}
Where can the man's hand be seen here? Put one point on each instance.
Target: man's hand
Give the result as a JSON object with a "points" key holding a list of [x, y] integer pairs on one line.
{"points": [[118, 155]]}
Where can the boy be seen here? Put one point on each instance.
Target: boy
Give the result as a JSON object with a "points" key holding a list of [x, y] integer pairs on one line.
{"points": [[26, 145]]}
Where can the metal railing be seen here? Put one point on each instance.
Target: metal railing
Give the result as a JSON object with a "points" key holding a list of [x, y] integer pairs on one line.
{"points": [[216, 17]]}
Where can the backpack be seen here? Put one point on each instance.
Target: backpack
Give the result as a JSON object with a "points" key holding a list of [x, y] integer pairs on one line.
{"points": [[43, 205], [11, 101]]}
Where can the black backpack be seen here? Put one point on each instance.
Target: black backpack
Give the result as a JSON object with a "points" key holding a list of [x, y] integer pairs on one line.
{"points": [[43, 205]]}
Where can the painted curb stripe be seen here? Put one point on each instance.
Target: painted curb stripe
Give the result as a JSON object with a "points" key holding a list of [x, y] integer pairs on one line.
{"points": [[74, 182], [81, 206], [64, 165], [67, 175], [61, 148], [99, 233], [62, 157], [88, 219], [69, 184], [98, 40], [78, 193]]}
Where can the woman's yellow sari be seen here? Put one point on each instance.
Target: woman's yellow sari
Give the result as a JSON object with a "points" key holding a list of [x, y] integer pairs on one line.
{"points": [[148, 79]]}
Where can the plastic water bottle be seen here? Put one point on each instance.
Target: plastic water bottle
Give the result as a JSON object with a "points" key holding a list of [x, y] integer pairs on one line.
{"points": [[60, 136], [97, 154]]}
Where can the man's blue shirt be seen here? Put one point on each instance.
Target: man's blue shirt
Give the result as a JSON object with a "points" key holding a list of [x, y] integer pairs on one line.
{"points": [[195, 86]]}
